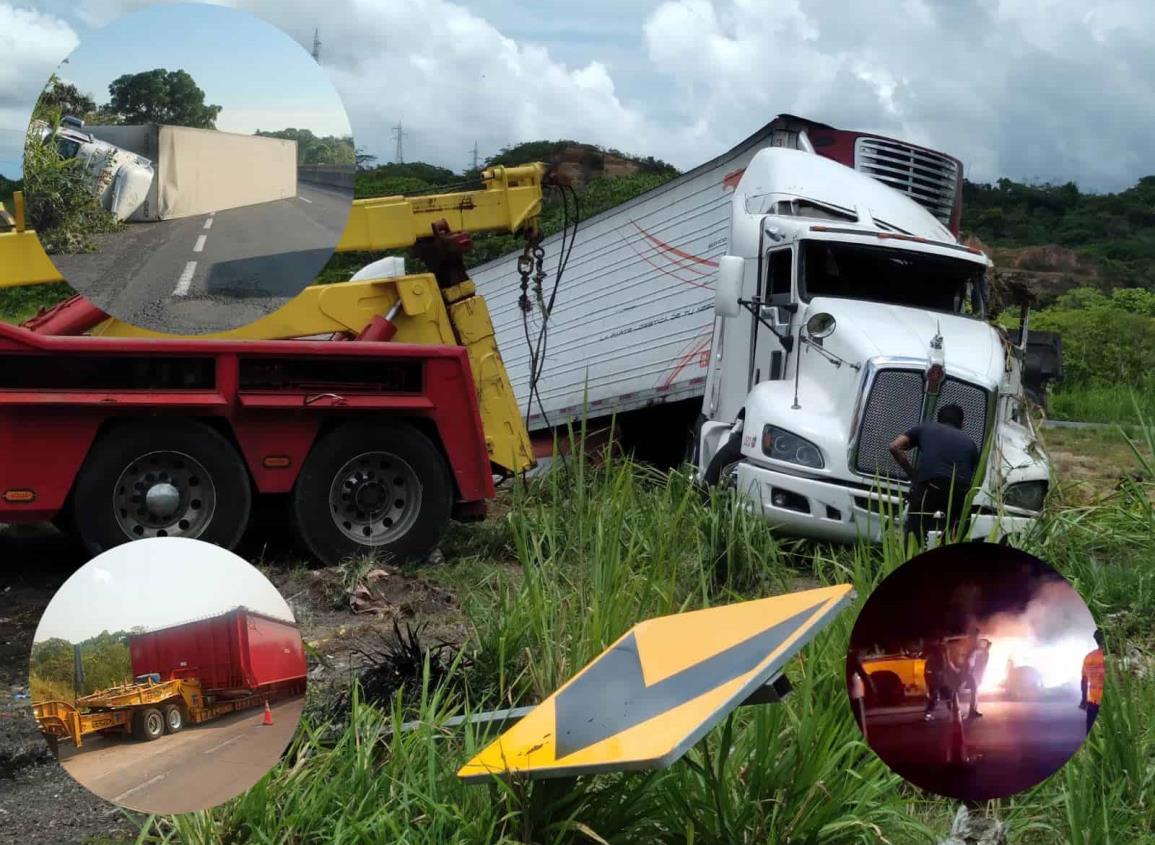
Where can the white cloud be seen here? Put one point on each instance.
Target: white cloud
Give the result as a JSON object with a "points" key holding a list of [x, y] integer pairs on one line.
{"points": [[1050, 89], [32, 44]]}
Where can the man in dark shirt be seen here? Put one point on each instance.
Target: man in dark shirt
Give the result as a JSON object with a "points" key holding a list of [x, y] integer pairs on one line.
{"points": [[947, 460]]}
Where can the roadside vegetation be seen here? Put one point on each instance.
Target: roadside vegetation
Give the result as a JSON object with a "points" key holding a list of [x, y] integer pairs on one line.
{"points": [[585, 552], [50, 668]]}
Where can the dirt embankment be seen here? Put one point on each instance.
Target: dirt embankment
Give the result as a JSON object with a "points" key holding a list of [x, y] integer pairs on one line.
{"points": [[1044, 272]]}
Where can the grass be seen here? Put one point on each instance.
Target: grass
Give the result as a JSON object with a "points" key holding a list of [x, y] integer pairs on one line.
{"points": [[1107, 404], [20, 303], [598, 549], [47, 689]]}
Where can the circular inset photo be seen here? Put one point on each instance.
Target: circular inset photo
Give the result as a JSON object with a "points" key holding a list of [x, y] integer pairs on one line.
{"points": [[189, 168], [167, 675], [975, 671]]}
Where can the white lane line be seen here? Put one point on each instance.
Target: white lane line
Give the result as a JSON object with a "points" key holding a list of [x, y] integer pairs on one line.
{"points": [[209, 223], [222, 744], [185, 280], [302, 199], [200, 244], [127, 792]]}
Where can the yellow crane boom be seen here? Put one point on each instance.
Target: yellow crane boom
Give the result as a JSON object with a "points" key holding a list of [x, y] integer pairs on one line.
{"points": [[422, 308]]}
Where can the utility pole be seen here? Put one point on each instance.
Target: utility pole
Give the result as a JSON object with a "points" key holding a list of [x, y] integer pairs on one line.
{"points": [[398, 135], [316, 45]]}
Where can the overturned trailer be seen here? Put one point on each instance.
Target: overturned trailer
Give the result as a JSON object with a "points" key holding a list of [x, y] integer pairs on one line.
{"points": [[202, 170]]}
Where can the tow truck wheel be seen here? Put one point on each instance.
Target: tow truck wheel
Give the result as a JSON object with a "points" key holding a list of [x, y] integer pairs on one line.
{"points": [[162, 478], [148, 724], [373, 488], [173, 719]]}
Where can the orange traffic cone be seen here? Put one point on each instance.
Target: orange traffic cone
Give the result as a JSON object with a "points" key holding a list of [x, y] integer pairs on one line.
{"points": [[268, 719]]}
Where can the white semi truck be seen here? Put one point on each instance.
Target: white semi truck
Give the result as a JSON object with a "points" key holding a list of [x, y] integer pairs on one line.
{"points": [[847, 314], [860, 225], [120, 179]]}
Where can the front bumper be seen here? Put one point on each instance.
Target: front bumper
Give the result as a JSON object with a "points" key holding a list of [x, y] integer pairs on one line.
{"points": [[808, 507]]}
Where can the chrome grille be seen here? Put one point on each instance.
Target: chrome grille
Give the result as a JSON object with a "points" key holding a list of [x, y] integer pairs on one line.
{"points": [[973, 401], [928, 178], [895, 406]]}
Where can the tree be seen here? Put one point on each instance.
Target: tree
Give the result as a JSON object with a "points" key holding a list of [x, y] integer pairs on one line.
{"points": [[63, 98], [161, 96], [364, 159], [314, 150]]}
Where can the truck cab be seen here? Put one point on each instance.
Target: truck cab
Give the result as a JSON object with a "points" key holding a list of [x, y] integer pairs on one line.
{"points": [[119, 178], [847, 314]]}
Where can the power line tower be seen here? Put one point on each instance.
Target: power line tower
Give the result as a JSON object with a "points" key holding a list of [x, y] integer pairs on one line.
{"points": [[317, 45], [399, 136], [476, 158]]}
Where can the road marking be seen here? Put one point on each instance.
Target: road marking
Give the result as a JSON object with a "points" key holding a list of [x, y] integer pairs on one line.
{"points": [[185, 280], [302, 199], [223, 744], [200, 244], [209, 223], [127, 792]]}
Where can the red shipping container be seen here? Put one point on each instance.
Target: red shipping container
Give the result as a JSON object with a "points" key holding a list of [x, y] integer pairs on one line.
{"points": [[238, 650]]}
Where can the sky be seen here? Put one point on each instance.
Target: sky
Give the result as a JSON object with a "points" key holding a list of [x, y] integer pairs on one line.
{"points": [[260, 77], [155, 583], [1037, 90]]}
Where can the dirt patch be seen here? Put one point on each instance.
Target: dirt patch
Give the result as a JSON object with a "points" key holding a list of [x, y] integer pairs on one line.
{"points": [[1090, 463], [39, 802]]}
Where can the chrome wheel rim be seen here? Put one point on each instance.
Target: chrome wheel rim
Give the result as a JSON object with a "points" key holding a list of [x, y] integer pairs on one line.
{"points": [[375, 498], [164, 494]]}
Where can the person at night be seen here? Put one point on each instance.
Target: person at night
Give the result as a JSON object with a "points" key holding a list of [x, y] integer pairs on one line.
{"points": [[1094, 677], [979, 652], [947, 462], [940, 676]]}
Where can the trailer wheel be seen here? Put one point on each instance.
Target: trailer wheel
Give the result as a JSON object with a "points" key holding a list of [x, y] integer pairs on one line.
{"points": [[373, 488], [148, 724], [173, 719], [162, 478]]}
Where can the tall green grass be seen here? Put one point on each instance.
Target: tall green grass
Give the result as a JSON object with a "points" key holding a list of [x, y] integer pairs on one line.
{"points": [[600, 549], [1108, 404]]}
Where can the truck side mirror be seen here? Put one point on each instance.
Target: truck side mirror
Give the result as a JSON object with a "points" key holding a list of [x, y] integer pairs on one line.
{"points": [[728, 287]]}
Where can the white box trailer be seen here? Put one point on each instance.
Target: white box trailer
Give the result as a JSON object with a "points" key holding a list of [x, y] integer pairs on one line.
{"points": [[633, 320], [203, 170]]}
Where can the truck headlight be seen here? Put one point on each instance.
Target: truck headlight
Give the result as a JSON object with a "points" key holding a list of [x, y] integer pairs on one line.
{"points": [[781, 445], [1028, 495]]}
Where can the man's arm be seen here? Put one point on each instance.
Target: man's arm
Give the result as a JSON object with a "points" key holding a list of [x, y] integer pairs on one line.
{"points": [[1083, 690], [899, 448]]}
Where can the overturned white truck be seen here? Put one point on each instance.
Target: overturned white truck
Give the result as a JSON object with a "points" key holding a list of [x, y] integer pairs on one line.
{"points": [[847, 315], [634, 332]]}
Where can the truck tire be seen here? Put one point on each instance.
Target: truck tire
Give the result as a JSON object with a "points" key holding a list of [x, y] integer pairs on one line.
{"points": [[173, 719], [720, 471], [148, 724], [379, 488], [161, 478]]}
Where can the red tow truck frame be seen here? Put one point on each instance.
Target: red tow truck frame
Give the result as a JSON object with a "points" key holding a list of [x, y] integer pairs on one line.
{"points": [[272, 400]]}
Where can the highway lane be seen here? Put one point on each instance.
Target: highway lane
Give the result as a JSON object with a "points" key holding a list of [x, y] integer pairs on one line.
{"points": [[214, 271], [1015, 745], [197, 768]]}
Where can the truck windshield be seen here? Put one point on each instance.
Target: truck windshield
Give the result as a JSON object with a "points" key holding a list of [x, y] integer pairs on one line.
{"points": [[885, 274]]}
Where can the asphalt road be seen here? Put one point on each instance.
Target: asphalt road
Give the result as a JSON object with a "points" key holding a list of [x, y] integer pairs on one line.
{"points": [[211, 272], [197, 768], [1015, 745]]}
